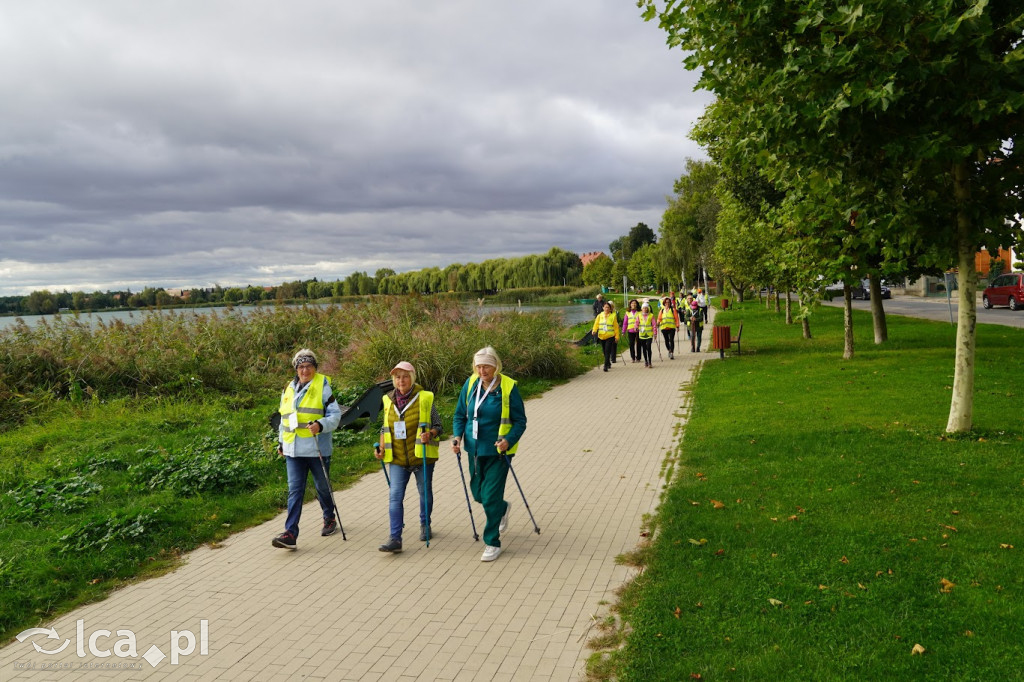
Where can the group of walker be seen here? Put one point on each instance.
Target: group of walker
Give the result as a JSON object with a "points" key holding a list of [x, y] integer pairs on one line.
{"points": [[489, 420], [642, 326]]}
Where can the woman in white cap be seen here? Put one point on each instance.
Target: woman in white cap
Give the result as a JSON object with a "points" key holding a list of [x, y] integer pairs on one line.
{"points": [[645, 332], [489, 421], [409, 442], [309, 413]]}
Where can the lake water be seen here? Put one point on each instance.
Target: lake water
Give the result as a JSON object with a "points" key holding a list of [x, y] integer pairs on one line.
{"points": [[571, 314]]}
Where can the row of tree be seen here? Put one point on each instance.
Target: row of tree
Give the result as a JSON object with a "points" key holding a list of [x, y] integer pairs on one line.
{"points": [[634, 256], [865, 140], [557, 267]]}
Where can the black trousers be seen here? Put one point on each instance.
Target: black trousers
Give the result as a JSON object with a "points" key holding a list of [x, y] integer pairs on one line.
{"points": [[670, 339], [645, 349], [634, 349], [610, 347]]}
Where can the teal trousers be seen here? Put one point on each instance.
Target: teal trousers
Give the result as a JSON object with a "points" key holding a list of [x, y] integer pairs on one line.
{"points": [[487, 477]]}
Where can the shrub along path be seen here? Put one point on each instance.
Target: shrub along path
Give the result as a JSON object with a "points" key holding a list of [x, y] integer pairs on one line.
{"points": [[590, 465]]}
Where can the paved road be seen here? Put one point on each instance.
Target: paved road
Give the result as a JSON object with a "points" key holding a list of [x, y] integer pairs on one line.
{"points": [[590, 464], [938, 309]]}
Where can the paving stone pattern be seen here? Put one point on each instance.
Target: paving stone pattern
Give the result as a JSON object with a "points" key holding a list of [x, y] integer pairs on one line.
{"points": [[340, 610]]}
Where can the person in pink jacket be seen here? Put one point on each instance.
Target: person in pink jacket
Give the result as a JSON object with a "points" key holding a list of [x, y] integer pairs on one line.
{"points": [[631, 327]]}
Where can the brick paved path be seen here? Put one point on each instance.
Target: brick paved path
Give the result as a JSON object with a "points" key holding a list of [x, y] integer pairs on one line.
{"points": [[334, 610]]}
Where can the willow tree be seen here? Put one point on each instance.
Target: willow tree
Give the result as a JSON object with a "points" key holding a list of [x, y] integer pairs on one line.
{"points": [[907, 115]]}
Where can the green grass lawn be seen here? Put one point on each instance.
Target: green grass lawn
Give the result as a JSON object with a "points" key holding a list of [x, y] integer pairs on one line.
{"points": [[820, 524]]}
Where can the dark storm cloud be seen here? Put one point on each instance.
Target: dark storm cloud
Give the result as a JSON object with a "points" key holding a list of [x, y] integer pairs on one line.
{"points": [[180, 143]]}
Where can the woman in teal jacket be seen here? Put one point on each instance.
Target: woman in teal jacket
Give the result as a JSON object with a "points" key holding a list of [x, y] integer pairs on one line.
{"points": [[489, 421]]}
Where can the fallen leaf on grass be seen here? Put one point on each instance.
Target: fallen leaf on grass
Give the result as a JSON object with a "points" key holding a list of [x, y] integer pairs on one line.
{"points": [[720, 552], [775, 602], [955, 512], [696, 676], [794, 517], [947, 586], [775, 519], [677, 612], [968, 633], [95, 581], [844, 560], [695, 504], [861, 586], [1005, 546], [952, 528], [717, 505], [702, 541], [822, 587], [918, 650]]}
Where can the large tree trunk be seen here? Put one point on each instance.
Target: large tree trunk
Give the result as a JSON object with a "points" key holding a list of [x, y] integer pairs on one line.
{"points": [[877, 310], [847, 323], [789, 306], [961, 408]]}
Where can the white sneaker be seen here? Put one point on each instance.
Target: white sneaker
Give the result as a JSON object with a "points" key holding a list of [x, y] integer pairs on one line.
{"points": [[503, 524], [490, 553]]}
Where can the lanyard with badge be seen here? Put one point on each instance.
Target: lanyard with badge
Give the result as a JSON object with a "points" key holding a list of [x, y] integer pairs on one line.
{"points": [[480, 397], [400, 432]]}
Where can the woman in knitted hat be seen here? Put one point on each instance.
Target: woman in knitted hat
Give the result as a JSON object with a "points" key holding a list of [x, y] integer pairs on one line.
{"points": [[489, 421], [408, 444], [309, 413]]}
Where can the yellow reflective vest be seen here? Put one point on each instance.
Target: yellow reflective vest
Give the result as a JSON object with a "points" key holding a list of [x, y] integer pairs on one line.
{"points": [[646, 326], [669, 321], [426, 400], [506, 416], [309, 409], [606, 326]]}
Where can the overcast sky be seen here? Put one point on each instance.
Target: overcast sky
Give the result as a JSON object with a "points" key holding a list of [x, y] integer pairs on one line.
{"points": [[187, 143]]}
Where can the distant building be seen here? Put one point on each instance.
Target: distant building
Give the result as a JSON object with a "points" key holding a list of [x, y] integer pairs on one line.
{"points": [[983, 260], [590, 257]]}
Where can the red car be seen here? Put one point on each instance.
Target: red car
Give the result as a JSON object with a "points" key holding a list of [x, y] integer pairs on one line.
{"points": [[1005, 289]]}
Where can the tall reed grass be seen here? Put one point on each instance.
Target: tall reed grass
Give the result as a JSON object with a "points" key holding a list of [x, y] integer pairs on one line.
{"points": [[189, 354]]}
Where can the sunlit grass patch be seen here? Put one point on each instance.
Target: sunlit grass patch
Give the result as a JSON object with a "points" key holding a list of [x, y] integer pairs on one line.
{"points": [[822, 524]]}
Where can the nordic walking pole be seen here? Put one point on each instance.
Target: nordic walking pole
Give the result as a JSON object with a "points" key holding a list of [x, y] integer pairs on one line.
{"points": [[458, 458], [328, 477], [657, 337], [426, 488], [376, 449], [508, 461]]}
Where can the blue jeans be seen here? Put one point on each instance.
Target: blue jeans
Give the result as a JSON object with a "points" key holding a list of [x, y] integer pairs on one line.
{"points": [[396, 499], [298, 467]]}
